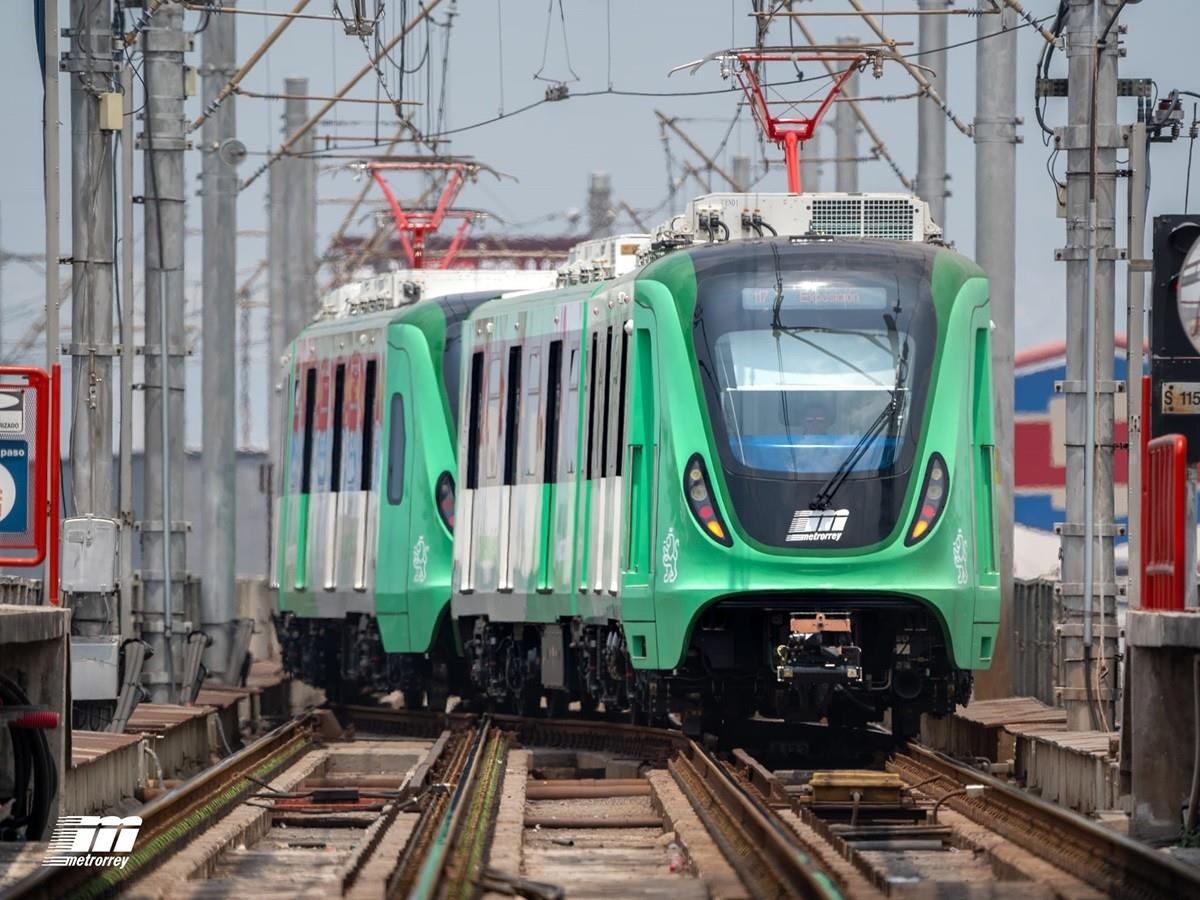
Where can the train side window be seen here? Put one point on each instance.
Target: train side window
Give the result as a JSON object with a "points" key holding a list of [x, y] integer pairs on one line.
{"points": [[531, 410], [591, 389], [491, 422], [474, 399], [339, 402], [396, 438], [621, 400], [571, 433], [512, 413], [553, 401], [607, 396], [310, 406], [368, 435]]}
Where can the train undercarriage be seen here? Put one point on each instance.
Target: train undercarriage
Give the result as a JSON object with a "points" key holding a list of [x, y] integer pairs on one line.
{"points": [[847, 663]]}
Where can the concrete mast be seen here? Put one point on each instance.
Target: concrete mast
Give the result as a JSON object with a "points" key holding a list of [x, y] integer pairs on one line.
{"points": [[164, 551], [995, 135], [300, 216], [219, 188], [1089, 587], [931, 121], [845, 126], [600, 211], [92, 164]]}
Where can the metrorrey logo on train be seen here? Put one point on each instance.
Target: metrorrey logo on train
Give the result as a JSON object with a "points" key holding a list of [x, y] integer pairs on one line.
{"points": [[92, 841], [818, 525]]}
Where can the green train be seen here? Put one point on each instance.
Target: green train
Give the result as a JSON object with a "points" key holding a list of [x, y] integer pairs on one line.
{"points": [[751, 475]]}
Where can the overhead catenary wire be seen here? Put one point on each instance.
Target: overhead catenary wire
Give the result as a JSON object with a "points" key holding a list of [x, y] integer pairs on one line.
{"points": [[877, 141], [917, 75], [290, 141], [232, 85]]}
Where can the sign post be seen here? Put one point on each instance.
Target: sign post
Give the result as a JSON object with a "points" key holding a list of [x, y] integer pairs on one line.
{"points": [[29, 470]]}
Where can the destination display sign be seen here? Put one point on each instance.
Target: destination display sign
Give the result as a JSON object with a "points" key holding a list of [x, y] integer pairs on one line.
{"points": [[816, 294]]}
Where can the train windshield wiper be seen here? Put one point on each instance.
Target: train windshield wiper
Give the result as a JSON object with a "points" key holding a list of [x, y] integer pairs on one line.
{"points": [[888, 417]]}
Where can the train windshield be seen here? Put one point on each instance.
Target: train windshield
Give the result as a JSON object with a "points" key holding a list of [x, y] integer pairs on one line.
{"points": [[813, 359]]}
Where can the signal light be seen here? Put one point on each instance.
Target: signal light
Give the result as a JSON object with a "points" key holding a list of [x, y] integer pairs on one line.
{"points": [[444, 493], [933, 499], [700, 499]]}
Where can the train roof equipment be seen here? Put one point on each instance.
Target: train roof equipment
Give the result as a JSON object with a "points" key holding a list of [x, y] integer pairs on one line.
{"points": [[602, 258], [719, 217], [394, 290]]}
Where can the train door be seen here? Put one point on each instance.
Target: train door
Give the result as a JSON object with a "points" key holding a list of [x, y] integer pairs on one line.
{"points": [[470, 453], [615, 463], [322, 513], [599, 518], [547, 544], [394, 546], [295, 551], [512, 434], [641, 453]]}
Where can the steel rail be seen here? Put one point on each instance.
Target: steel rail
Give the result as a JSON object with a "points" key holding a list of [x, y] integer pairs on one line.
{"points": [[764, 852], [1111, 862], [433, 862], [170, 820]]}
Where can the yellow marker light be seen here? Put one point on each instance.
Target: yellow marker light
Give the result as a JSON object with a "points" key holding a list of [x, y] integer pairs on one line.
{"points": [[920, 528], [716, 529]]}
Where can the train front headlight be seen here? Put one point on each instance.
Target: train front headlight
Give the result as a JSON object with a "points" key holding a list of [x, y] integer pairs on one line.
{"points": [[445, 499], [934, 492], [702, 502]]}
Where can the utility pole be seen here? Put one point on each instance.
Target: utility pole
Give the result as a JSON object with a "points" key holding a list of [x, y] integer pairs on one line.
{"points": [[93, 71], [931, 121], [95, 117], [300, 216], [810, 154], [51, 181], [164, 550], [219, 189], [845, 126], [600, 211], [995, 135], [1089, 587], [277, 263]]}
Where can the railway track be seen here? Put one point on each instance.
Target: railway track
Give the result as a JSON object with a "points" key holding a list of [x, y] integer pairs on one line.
{"points": [[422, 805]]}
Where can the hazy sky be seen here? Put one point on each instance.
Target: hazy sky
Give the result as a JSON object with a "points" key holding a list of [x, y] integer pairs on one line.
{"points": [[551, 149]]}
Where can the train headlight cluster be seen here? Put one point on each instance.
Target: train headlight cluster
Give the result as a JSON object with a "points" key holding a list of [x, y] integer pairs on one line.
{"points": [[934, 492], [445, 499], [702, 502]]}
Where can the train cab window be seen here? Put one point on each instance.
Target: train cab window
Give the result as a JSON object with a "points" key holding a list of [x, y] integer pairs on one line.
{"points": [[532, 411], [591, 389], [396, 438], [310, 405], [512, 425], [553, 402], [368, 416], [607, 396], [473, 401], [339, 401], [621, 400]]}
